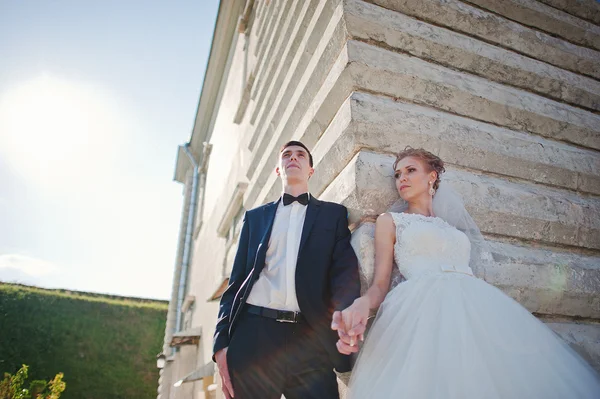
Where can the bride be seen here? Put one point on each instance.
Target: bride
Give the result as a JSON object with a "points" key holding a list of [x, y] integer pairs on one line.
{"points": [[444, 333]]}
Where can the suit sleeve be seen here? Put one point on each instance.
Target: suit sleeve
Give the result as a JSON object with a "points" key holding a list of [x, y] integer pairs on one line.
{"points": [[344, 276], [238, 275]]}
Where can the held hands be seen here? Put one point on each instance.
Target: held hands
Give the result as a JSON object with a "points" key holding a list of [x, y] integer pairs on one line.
{"points": [[221, 358], [350, 325]]}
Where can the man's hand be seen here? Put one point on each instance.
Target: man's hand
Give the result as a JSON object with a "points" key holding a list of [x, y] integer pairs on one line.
{"points": [[350, 325], [221, 358], [337, 324]]}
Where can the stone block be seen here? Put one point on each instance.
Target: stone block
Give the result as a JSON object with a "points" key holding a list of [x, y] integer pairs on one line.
{"points": [[382, 124], [267, 43], [492, 28], [321, 30], [265, 23], [280, 45], [305, 114], [585, 9], [411, 79], [547, 281], [584, 338], [548, 19], [267, 69], [397, 32]]}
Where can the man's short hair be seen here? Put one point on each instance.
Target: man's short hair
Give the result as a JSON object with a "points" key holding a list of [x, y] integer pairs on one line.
{"points": [[299, 144]]}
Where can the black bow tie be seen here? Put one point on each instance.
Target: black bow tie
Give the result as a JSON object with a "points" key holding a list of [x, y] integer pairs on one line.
{"points": [[302, 199]]}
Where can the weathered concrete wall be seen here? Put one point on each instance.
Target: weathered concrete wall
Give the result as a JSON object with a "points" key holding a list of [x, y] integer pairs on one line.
{"points": [[582, 337], [507, 93], [546, 281]]}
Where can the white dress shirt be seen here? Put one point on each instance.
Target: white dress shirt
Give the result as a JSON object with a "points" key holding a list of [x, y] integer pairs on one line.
{"points": [[276, 284]]}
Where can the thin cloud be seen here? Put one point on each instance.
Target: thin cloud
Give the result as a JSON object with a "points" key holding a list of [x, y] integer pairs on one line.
{"points": [[26, 265]]}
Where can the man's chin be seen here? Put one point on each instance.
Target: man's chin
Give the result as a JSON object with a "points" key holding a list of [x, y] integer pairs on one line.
{"points": [[295, 178]]}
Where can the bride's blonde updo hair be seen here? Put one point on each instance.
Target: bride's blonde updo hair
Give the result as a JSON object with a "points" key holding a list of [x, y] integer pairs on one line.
{"points": [[433, 162]]}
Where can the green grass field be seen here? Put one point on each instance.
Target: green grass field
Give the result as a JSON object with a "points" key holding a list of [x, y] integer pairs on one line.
{"points": [[105, 345]]}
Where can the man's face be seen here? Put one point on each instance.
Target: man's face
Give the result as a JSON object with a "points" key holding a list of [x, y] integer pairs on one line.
{"points": [[294, 165]]}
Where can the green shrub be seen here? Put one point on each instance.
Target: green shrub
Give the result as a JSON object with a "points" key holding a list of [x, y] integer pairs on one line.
{"points": [[11, 387], [105, 345]]}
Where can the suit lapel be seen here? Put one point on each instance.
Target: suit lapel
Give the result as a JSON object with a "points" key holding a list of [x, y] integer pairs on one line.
{"points": [[312, 211], [268, 219], [268, 215]]}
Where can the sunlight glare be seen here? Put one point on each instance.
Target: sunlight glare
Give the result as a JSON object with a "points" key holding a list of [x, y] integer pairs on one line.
{"points": [[54, 132]]}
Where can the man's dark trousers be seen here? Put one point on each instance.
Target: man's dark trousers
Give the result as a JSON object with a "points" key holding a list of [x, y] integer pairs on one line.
{"points": [[265, 357]]}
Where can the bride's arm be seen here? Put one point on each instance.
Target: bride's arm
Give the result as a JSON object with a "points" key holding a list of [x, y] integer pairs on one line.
{"points": [[385, 237], [353, 320]]}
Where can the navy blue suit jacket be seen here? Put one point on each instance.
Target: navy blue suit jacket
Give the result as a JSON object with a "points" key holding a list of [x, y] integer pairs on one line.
{"points": [[327, 276]]}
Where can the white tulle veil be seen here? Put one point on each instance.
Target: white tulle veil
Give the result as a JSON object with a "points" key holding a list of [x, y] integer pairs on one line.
{"points": [[449, 206]]}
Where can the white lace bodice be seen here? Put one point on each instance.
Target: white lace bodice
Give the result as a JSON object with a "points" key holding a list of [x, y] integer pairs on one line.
{"points": [[426, 245]]}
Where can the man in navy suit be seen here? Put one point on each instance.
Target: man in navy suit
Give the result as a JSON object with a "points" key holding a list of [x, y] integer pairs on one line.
{"points": [[293, 268]]}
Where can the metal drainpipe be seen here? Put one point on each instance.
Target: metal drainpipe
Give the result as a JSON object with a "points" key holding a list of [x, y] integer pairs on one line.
{"points": [[189, 231]]}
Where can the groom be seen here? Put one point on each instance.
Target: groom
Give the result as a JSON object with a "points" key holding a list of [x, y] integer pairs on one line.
{"points": [[293, 268]]}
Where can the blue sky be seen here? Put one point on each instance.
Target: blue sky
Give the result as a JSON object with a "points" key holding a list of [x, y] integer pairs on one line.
{"points": [[94, 99]]}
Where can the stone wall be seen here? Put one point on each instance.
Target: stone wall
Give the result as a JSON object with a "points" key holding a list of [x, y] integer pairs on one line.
{"points": [[507, 96], [507, 93]]}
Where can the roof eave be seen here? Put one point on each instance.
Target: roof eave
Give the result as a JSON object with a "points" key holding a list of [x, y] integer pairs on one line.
{"points": [[217, 68]]}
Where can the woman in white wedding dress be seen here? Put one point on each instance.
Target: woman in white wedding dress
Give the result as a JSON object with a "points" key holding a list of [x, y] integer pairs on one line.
{"points": [[444, 333]]}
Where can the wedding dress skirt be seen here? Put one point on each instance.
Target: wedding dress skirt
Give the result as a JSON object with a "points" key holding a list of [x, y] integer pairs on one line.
{"points": [[446, 334]]}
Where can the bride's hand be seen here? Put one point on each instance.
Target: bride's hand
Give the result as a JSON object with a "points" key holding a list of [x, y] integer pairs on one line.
{"points": [[351, 325], [355, 318]]}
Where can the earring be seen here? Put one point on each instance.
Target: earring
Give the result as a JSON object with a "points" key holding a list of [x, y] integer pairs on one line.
{"points": [[431, 189]]}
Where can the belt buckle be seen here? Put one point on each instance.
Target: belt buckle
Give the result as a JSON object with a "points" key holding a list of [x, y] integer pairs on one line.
{"points": [[287, 317]]}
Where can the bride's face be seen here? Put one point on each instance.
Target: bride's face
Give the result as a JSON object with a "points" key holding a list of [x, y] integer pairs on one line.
{"points": [[412, 178]]}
